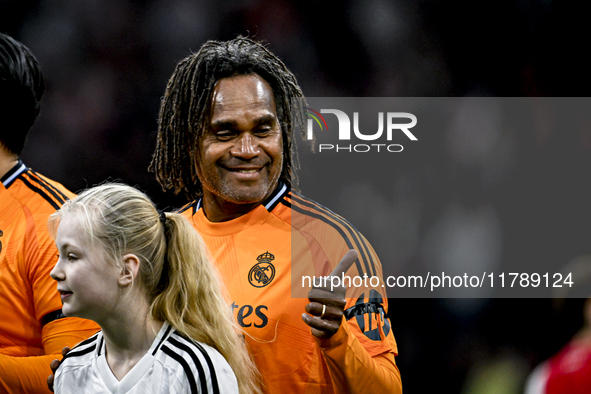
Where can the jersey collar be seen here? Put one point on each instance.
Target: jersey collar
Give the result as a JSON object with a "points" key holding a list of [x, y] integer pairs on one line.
{"points": [[137, 372], [11, 175], [269, 203]]}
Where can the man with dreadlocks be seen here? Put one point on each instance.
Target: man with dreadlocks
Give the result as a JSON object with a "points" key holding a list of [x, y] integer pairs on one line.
{"points": [[224, 139]]}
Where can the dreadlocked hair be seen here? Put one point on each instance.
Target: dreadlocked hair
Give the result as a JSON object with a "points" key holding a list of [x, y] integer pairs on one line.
{"points": [[186, 107]]}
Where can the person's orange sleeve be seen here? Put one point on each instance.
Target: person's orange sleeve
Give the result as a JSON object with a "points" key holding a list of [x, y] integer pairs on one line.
{"points": [[20, 375], [353, 370]]}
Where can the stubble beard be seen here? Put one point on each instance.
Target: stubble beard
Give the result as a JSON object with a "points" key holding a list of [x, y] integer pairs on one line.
{"points": [[231, 194]]}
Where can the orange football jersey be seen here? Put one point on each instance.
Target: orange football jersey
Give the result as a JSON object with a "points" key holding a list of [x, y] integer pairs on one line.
{"points": [[33, 330], [262, 257]]}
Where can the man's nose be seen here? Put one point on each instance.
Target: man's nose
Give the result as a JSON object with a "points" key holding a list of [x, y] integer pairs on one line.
{"points": [[246, 147]]}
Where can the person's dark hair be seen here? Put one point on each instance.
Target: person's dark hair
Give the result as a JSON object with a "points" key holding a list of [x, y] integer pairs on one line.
{"points": [[21, 89], [185, 108]]}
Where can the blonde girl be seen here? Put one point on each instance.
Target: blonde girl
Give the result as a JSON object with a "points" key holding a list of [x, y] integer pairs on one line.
{"points": [[146, 279]]}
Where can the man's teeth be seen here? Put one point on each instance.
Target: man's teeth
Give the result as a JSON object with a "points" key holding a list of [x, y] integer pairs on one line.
{"points": [[247, 171]]}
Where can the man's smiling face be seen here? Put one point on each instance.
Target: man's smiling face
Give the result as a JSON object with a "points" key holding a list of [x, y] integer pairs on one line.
{"points": [[241, 154]]}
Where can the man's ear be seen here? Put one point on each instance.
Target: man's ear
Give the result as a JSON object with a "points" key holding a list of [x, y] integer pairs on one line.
{"points": [[130, 271]]}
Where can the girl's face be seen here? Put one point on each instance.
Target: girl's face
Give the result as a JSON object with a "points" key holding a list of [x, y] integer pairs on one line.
{"points": [[87, 282]]}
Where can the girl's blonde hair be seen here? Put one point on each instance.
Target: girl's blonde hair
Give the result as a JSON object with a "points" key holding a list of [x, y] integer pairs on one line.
{"points": [[181, 282]]}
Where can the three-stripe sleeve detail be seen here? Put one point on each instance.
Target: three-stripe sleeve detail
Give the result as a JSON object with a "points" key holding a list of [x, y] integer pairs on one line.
{"points": [[82, 348], [177, 341], [42, 193], [162, 340], [190, 377], [349, 233], [50, 193], [197, 362], [214, 378], [54, 191]]}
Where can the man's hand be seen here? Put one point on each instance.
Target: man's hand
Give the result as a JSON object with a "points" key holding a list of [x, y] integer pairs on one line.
{"points": [[54, 366], [326, 307]]}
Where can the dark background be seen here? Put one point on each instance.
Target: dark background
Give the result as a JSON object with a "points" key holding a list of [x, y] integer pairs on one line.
{"points": [[107, 62]]}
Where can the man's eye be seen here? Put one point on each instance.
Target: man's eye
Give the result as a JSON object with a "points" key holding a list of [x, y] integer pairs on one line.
{"points": [[263, 130], [224, 135], [72, 257]]}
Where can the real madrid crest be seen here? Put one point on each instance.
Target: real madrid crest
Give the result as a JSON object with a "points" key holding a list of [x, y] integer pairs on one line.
{"points": [[263, 272]]}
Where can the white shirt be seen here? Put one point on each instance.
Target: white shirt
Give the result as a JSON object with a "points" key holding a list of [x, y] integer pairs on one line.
{"points": [[172, 365]]}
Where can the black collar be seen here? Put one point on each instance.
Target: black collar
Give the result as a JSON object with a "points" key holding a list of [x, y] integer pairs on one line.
{"points": [[269, 203], [13, 173]]}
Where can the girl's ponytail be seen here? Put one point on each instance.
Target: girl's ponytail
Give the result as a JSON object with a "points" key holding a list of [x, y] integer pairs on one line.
{"points": [[191, 299], [182, 285]]}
